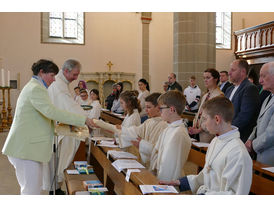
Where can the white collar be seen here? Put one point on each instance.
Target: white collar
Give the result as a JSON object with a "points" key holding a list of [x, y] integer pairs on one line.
{"points": [[61, 76], [228, 134], [176, 123]]}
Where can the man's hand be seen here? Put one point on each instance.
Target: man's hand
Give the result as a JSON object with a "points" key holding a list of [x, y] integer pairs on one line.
{"points": [[173, 183], [136, 142], [248, 145], [90, 123]]}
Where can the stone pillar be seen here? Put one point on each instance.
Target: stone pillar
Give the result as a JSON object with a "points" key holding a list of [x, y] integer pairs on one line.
{"points": [[146, 18], [194, 45]]}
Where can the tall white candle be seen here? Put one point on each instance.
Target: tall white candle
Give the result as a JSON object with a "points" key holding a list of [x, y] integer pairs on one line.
{"points": [[8, 78], [3, 78]]}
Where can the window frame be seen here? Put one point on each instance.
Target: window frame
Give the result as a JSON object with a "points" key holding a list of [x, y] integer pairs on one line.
{"points": [[46, 39], [231, 34]]}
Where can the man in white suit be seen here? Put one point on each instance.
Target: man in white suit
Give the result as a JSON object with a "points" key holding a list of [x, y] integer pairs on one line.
{"points": [[261, 139], [62, 98]]}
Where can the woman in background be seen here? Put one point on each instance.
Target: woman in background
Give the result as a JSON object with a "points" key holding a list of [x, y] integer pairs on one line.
{"points": [[144, 92], [211, 80]]}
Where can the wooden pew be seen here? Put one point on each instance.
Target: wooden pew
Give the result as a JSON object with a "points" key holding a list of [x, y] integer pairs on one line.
{"points": [[111, 117], [114, 180]]}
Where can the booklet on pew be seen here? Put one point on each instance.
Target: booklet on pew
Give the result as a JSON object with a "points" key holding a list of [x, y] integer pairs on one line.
{"points": [[92, 184], [85, 170], [121, 164], [120, 155], [97, 138], [107, 144], [80, 164], [147, 189]]}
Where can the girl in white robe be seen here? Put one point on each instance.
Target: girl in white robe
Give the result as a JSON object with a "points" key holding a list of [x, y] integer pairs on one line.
{"points": [[144, 92], [131, 106], [95, 112]]}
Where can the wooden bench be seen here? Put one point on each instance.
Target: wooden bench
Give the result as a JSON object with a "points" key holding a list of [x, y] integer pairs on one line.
{"points": [[114, 180], [74, 183]]}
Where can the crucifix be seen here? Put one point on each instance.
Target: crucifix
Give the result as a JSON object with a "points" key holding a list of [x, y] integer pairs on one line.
{"points": [[109, 65]]}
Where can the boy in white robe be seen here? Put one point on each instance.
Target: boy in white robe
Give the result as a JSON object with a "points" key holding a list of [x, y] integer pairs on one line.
{"points": [[228, 166], [172, 148], [145, 136]]}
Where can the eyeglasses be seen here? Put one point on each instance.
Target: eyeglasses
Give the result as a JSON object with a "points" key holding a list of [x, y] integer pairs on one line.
{"points": [[161, 108], [83, 95]]}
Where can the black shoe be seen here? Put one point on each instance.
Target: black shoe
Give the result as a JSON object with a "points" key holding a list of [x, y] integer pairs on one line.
{"points": [[57, 192]]}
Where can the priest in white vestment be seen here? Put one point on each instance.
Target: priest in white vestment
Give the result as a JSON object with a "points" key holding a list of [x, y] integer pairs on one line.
{"points": [[62, 98]]}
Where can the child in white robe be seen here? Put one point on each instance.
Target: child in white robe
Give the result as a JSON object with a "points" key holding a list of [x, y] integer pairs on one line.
{"points": [[131, 106], [145, 136], [95, 112], [228, 166], [172, 148]]}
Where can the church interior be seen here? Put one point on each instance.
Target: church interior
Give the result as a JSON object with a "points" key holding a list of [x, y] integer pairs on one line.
{"points": [[124, 46]]}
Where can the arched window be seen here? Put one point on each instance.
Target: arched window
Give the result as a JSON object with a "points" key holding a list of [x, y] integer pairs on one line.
{"points": [[63, 27], [223, 30]]}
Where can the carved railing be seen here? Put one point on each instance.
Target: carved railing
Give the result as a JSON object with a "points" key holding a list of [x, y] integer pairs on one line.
{"points": [[253, 42]]}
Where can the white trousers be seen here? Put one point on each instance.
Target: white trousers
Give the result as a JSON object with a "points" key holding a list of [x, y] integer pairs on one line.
{"points": [[29, 175]]}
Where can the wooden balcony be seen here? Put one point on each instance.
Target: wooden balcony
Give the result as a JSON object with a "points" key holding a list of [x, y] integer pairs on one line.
{"points": [[255, 43]]}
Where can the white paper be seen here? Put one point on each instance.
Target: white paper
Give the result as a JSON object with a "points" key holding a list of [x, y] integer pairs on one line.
{"points": [[82, 193], [120, 155], [96, 139], [121, 164], [102, 109], [146, 189], [107, 144], [73, 172], [200, 144], [193, 140], [270, 169], [129, 171]]}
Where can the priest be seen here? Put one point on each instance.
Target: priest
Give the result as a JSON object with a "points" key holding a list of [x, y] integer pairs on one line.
{"points": [[62, 98]]}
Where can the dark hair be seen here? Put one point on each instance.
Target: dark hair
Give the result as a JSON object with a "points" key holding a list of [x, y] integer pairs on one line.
{"points": [[174, 75], [84, 84], [131, 101], [224, 72], [136, 92], [220, 105], [173, 98], [153, 98], [214, 73], [145, 82], [242, 63], [47, 66], [83, 91], [122, 86], [76, 88], [95, 91], [253, 75]]}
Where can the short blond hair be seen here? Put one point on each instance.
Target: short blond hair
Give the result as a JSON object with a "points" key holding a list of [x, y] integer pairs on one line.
{"points": [[173, 98]]}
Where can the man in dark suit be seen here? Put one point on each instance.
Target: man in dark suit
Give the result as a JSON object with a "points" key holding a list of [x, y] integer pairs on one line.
{"points": [[261, 139], [224, 81], [245, 98], [172, 83]]}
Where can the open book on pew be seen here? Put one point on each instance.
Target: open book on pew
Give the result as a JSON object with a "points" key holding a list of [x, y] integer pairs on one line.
{"points": [[80, 133], [121, 164], [120, 155], [147, 189]]}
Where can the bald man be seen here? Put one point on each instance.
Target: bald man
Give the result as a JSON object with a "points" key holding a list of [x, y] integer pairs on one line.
{"points": [[261, 139], [173, 84]]}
